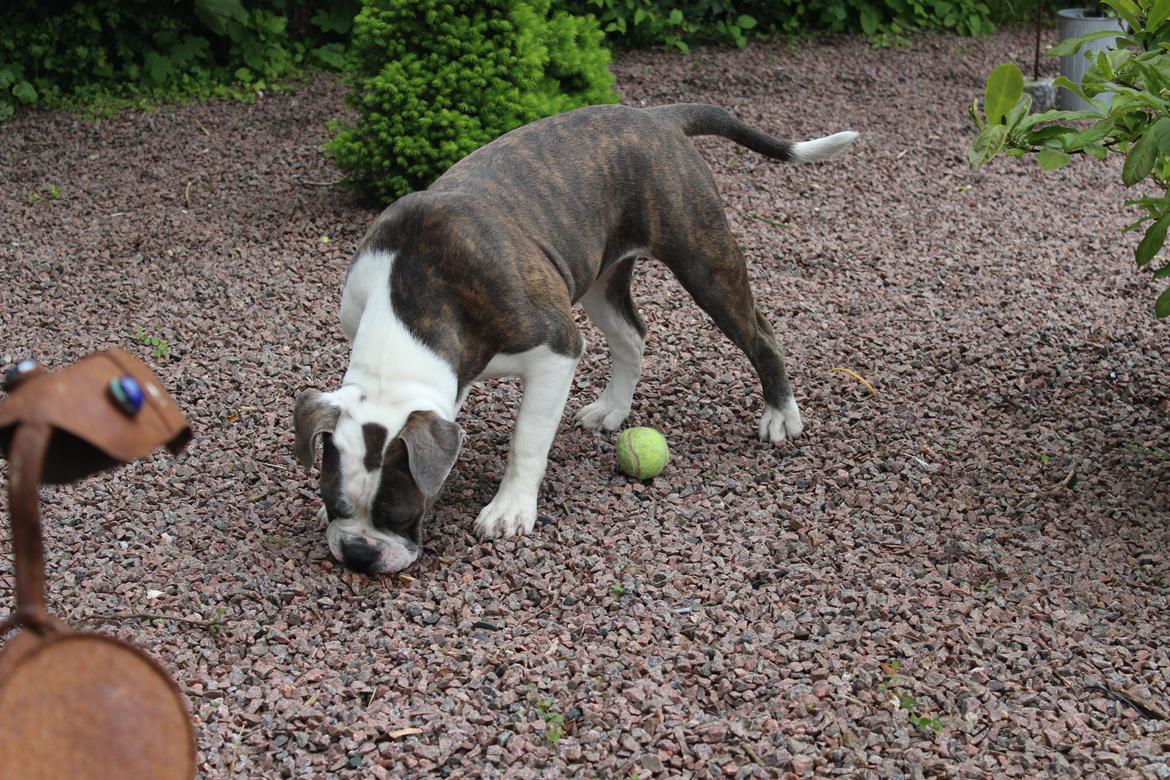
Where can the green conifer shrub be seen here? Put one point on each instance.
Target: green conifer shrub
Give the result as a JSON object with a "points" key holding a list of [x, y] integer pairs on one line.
{"points": [[433, 80]]}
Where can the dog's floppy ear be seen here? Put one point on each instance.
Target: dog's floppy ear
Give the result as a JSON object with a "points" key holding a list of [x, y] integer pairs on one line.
{"points": [[432, 444], [314, 414]]}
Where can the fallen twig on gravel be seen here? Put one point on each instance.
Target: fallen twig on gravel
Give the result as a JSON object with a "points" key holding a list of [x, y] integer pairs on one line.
{"points": [[541, 611], [771, 222], [856, 376], [143, 616], [312, 183], [486, 625], [753, 755], [1146, 709], [406, 732], [1068, 481]]}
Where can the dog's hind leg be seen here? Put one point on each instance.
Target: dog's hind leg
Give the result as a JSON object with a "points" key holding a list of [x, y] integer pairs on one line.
{"points": [[711, 268], [610, 307]]}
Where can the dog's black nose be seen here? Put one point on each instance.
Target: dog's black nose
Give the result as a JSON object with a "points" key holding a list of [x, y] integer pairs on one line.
{"points": [[359, 556]]}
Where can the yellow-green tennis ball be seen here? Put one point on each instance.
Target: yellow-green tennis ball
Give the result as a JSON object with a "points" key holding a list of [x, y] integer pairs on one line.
{"points": [[642, 452]]}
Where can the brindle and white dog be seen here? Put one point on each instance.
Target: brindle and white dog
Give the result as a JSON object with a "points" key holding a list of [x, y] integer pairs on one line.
{"points": [[476, 277]]}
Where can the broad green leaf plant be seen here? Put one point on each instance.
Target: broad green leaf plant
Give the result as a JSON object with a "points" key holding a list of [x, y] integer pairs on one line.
{"points": [[1136, 124]]}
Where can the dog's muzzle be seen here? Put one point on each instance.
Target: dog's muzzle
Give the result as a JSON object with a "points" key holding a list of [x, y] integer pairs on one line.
{"points": [[370, 552]]}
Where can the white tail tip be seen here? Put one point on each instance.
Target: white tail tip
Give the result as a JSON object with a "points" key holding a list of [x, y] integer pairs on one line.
{"points": [[822, 148]]}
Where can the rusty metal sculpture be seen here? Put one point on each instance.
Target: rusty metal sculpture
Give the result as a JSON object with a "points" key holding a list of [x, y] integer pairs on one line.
{"points": [[76, 704]]}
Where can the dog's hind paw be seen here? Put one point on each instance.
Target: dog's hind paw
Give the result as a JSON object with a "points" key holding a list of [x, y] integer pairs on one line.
{"points": [[779, 425], [507, 515], [603, 414]]}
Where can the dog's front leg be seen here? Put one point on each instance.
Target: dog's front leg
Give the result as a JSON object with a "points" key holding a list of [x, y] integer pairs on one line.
{"points": [[547, 376]]}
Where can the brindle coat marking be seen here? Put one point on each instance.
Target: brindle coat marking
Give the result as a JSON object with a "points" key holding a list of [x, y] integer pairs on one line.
{"points": [[486, 264]]}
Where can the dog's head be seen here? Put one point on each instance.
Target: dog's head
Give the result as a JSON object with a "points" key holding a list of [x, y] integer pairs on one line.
{"points": [[381, 469]]}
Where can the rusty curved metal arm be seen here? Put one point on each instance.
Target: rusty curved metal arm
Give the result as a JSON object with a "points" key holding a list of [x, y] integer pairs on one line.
{"points": [[26, 462]]}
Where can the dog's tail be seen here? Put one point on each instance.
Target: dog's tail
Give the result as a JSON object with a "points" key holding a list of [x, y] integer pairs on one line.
{"points": [[702, 119]]}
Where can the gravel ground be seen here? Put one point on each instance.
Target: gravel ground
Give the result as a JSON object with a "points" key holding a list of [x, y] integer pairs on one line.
{"points": [[943, 578]]}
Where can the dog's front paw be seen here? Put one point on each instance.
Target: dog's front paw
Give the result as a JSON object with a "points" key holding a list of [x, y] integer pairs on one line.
{"points": [[779, 425], [603, 413], [508, 514]]}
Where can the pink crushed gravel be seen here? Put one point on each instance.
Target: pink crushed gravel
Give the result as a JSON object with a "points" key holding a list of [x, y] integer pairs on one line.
{"points": [[946, 577]]}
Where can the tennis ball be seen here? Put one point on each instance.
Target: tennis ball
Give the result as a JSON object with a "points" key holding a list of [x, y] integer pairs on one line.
{"points": [[642, 452]]}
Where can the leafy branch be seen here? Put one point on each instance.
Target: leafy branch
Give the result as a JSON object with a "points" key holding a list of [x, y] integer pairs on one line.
{"points": [[1134, 123]]}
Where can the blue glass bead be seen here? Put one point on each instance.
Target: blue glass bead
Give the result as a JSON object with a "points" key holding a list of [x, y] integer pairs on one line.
{"points": [[127, 393]]}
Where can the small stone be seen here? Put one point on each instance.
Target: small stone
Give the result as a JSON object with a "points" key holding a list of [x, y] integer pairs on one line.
{"points": [[802, 765], [1109, 758], [651, 762]]}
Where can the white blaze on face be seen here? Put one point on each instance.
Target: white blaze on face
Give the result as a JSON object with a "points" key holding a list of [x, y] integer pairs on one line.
{"points": [[359, 486]]}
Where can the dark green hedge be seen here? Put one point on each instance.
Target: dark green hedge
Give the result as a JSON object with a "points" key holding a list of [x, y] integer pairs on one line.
{"points": [[681, 23], [53, 52]]}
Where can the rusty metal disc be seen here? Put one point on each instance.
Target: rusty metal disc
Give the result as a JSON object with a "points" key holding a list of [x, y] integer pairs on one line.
{"points": [[77, 704]]}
